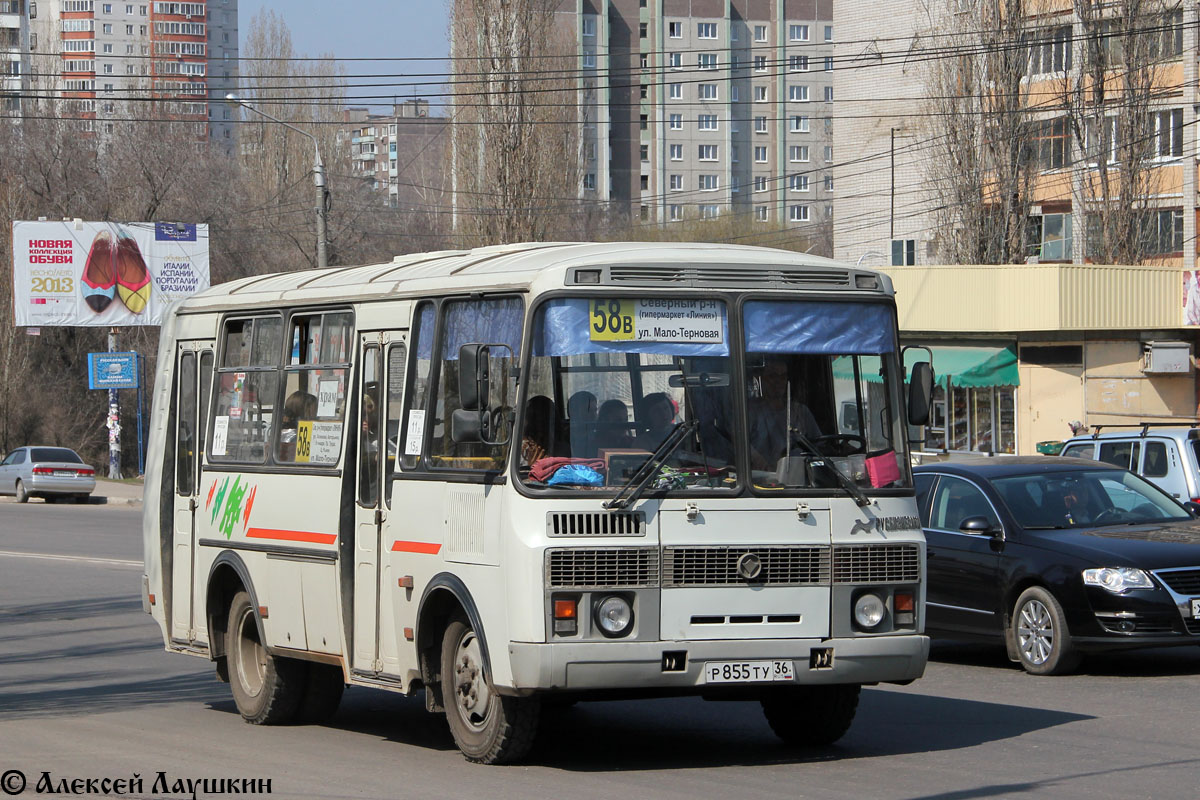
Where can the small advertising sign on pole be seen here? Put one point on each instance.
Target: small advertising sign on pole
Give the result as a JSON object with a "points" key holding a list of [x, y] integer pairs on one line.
{"points": [[112, 371]]}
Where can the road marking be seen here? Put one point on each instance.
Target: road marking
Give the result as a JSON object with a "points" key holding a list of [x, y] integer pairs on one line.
{"points": [[117, 562]]}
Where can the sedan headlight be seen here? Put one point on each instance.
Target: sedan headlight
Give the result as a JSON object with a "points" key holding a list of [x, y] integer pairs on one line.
{"points": [[1117, 580]]}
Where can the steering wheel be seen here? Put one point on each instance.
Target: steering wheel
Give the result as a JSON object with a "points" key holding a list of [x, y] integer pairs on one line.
{"points": [[1111, 514], [840, 444]]}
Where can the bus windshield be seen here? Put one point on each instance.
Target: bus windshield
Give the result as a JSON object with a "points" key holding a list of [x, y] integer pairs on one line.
{"points": [[610, 380]]}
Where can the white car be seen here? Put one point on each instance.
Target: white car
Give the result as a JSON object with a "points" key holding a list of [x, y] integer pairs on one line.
{"points": [[48, 472], [1167, 455]]}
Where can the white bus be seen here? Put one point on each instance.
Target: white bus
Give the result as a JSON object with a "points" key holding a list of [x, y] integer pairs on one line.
{"points": [[542, 472]]}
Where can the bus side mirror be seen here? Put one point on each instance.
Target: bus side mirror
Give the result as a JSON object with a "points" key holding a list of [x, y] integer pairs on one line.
{"points": [[473, 379], [920, 393]]}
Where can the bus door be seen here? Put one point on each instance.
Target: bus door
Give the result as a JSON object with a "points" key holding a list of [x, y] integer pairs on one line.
{"points": [[381, 390], [193, 377]]}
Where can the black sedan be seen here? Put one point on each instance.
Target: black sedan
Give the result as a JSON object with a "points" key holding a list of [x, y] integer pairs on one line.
{"points": [[1058, 556]]}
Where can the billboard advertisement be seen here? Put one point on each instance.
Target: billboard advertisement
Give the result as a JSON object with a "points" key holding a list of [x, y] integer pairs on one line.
{"points": [[104, 273]]}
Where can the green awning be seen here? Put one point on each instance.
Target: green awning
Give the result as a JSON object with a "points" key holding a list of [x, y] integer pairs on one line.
{"points": [[968, 367], [972, 367]]}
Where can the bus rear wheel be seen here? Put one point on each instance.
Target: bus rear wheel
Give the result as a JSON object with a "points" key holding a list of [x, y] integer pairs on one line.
{"points": [[811, 715], [267, 690], [487, 727]]}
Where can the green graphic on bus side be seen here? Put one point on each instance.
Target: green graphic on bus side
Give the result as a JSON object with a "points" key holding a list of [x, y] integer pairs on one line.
{"points": [[226, 503]]}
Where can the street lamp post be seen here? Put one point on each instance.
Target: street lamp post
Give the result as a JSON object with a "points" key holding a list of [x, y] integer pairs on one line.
{"points": [[318, 176]]}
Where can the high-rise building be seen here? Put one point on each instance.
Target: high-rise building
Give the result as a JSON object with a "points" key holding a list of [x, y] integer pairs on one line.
{"points": [[14, 55], [706, 108], [401, 155], [110, 60]]}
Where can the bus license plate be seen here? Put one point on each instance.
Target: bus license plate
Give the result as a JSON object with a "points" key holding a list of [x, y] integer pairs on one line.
{"points": [[748, 671]]}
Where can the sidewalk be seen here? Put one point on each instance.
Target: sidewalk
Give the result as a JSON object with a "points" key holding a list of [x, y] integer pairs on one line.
{"points": [[117, 493]]}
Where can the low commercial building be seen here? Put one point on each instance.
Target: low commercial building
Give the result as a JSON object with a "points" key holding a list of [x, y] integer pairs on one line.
{"points": [[1022, 351]]}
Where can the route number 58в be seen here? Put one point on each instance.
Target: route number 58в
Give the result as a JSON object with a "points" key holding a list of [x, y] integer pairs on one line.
{"points": [[612, 320]]}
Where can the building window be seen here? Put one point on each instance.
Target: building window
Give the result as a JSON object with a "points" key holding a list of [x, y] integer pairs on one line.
{"points": [[589, 182], [829, 183], [798, 213], [733, 32], [710, 212], [706, 60], [798, 183], [799, 124], [1093, 143], [106, 27], [706, 30], [829, 33], [760, 124], [676, 152], [760, 94], [129, 30], [760, 63], [644, 92], [904, 252], [645, 182], [642, 30], [589, 60], [108, 68], [760, 213], [644, 152], [708, 91], [706, 122], [1049, 145], [644, 60], [734, 94], [675, 30], [828, 94], [760, 33], [676, 183], [798, 152], [709, 183], [675, 60], [106, 8], [798, 33], [760, 154], [760, 183], [1168, 132], [589, 26], [676, 213], [981, 420], [829, 63], [1050, 51], [829, 152], [675, 91], [676, 122], [797, 63], [1162, 232], [798, 94], [735, 63], [707, 152], [733, 153]]}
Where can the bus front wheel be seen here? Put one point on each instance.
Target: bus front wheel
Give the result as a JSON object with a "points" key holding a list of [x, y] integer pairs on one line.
{"points": [[488, 728], [811, 715], [267, 690]]}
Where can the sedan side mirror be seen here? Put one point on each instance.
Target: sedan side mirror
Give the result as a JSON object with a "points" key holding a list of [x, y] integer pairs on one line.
{"points": [[978, 526]]}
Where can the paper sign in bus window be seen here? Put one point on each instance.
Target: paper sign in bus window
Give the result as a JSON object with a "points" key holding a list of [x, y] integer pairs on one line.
{"points": [[415, 432], [326, 442], [656, 319], [327, 397], [220, 439]]}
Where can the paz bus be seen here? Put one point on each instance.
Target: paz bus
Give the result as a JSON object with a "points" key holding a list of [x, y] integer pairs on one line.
{"points": [[541, 473]]}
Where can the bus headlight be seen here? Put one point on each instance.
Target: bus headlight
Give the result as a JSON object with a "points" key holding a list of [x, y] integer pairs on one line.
{"points": [[868, 610], [614, 615]]}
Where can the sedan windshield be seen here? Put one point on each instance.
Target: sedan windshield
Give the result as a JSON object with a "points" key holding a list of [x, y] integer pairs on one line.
{"points": [[1085, 498], [60, 454], [610, 380]]}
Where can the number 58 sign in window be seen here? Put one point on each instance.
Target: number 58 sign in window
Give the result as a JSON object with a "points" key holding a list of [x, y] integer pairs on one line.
{"points": [[656, 319]]}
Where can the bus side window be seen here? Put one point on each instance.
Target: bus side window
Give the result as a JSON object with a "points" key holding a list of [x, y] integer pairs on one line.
{"points": [[247, 388], [314, 388], [411, 441], [393, 410]]}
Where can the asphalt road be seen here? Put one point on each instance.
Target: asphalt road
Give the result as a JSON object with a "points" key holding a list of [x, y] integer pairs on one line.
{"points": [[86, 691]]}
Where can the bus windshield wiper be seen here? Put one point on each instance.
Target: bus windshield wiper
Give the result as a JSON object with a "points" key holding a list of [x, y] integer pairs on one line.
{"points": [[641, 478], [850, 486]]}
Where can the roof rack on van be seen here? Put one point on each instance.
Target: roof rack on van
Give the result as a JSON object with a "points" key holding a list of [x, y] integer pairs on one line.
{"points": [[1146, 426]]}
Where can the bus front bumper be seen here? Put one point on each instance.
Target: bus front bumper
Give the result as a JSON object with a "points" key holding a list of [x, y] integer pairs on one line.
{"points": [[567, 666]]}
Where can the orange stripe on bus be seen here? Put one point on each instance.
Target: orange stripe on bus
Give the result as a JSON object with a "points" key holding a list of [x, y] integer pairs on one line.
{"points": [[416, 547], [291, 536]]}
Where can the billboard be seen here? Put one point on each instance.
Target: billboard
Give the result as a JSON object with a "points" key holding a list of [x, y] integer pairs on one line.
{"points": [[104, 273]]}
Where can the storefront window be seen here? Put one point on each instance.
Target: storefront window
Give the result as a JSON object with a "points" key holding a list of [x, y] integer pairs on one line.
{"points": [[979, 420]]}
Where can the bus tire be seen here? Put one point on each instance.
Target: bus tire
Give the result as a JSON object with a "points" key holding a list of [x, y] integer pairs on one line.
{"points": [[267, 690], [811, 715], [488, 728], [323, 689]]}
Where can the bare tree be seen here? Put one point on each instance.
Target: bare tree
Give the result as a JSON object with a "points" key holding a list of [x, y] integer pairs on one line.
{"points": [[516, 151]]}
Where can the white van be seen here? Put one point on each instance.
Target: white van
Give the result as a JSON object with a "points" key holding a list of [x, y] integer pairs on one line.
{"points": [[1166, 455]]}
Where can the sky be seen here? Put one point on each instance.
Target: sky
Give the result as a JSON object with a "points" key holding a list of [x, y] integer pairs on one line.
{"points": [[365, 29]]}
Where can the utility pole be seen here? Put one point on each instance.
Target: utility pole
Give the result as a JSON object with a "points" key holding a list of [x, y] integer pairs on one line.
{"points": [[318, 177], [114, 419]]}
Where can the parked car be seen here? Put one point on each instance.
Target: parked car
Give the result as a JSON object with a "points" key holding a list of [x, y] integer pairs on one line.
{"points": [[49, 472], [1166, 455], [1057, 557]]}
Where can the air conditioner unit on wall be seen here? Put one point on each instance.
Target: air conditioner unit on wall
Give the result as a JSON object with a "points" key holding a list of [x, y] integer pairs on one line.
{"points": [[1166, 357]]}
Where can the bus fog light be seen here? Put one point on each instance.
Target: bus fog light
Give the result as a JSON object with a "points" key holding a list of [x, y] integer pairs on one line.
{"points": [[614, 615], [868, 610]]}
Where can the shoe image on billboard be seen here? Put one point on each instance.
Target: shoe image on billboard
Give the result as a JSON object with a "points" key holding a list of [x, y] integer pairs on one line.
{"points": [[100, 273], [133, 279]]}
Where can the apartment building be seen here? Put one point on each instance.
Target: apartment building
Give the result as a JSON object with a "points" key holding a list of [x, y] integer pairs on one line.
{"points": [[702, 108], [401, 154], [109, 60], [893, 141], [14, 55]]}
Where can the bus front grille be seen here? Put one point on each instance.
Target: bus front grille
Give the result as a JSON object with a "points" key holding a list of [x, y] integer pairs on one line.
{"points": [[718, 566], [876, 563], [601, 567]]}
